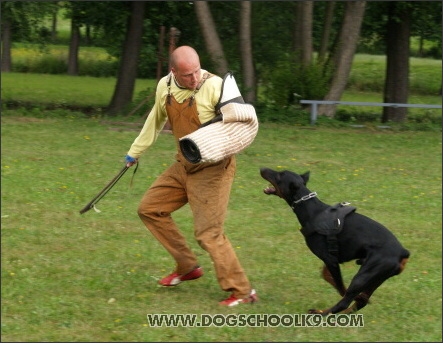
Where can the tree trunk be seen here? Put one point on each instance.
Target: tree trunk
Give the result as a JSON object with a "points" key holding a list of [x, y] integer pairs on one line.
{"points": [[247, 62], [54, 25], [326, 33], [296, 32], [88, 39], [6, 46], [303, 32], [160, 53], [73, 47], [212, 41], [397, 64], [174, 34], [343, 54], [306, 31], [127, 72]]}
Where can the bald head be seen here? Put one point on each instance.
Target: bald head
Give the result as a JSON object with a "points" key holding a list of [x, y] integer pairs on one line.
{"points": [[184, 55], [185, 65]]}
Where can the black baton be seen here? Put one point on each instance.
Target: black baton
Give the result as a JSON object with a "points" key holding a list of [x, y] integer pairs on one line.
{"points": [[105, 190]]}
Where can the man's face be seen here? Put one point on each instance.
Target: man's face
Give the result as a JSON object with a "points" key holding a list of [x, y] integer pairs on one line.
{"points": [[187, 74]]}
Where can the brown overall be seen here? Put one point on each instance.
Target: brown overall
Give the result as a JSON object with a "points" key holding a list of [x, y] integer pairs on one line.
{"points": [[206, 187]]}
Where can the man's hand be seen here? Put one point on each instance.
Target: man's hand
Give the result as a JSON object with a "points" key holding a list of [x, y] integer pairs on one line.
{"points": [[130, 161]]}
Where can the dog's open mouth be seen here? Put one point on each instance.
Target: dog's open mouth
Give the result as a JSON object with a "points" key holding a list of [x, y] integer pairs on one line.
{"points": [[270, 190]]}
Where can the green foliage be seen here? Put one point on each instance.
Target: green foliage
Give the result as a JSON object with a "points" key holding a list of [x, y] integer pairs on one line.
{"points": [[288, 82], [425, 26], [98, 68], [92, 277], [293, 114], [52, 59], [27, 19], [422, 120], [48, 64]]}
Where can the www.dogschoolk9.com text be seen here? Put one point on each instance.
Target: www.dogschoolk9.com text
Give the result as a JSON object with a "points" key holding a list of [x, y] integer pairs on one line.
{"points": [[255, 320]]}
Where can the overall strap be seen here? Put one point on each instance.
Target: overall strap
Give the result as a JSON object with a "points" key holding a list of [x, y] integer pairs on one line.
{"points": [[168, 84], [200, 84]]}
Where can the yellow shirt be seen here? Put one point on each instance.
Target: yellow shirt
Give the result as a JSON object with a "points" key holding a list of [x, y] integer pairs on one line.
{"points": [[206, 98]]}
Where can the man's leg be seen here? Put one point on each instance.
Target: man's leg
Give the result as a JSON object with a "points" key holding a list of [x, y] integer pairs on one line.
{"points": [[165, 196], [208, 192]]}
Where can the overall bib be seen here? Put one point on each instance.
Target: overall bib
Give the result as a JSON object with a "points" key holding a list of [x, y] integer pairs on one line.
{"points": [[206, 187]]}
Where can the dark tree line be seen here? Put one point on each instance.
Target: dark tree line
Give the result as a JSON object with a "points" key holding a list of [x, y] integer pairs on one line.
{"points": [[294, 47]]}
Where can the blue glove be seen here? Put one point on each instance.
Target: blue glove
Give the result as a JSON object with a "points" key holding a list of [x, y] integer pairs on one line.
{"points": [[129, 159]]}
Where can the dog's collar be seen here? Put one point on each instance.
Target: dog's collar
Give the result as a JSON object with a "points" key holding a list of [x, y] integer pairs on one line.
{"points": [[303, 198]]}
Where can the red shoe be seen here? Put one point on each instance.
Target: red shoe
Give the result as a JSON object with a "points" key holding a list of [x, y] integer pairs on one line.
{"points": [[174, 279], [233, 301]]}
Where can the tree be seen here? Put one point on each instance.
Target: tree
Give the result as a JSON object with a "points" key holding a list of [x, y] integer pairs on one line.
{"points": [[343, 54], [54, 24], [247, 62], [127, 73], [20, 20], [6, 45], [393, 24], [74, 45], [212, 40], [303, 32], [397, 57], [326, 32], [426, 24]]}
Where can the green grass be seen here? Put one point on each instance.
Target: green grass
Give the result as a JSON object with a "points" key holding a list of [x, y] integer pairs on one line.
{"points": [[368, 74], [61, 270], [43, 89]]}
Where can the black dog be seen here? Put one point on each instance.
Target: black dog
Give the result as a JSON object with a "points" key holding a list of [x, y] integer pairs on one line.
{"points": [[338, 234]]}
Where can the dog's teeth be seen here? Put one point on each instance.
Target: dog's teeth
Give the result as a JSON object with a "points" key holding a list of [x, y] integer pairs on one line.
{"points": [[269, 190]]}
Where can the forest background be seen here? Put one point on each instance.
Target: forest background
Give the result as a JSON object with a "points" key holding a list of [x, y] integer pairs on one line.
{"points": [[279, 54]]}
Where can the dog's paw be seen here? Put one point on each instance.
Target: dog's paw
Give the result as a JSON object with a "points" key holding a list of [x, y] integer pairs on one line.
{"points": [[314, 311]]}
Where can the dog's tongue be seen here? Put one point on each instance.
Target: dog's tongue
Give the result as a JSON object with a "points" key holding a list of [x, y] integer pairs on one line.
{"points": [[269, 190]]}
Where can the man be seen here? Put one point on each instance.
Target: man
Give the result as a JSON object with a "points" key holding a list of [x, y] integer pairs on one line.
{"points": [[187, 96]]}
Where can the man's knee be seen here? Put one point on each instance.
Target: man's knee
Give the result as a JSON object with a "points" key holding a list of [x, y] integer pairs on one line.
{"points": [[151, 213], [211, 239], [144, 211]]}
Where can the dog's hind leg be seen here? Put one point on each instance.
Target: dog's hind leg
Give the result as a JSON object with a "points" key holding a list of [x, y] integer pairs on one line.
{"points": [[370, 276], [362, 299]]}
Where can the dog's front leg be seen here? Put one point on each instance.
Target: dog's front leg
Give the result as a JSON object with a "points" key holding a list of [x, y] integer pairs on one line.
{"points": [[332, 274], [327, 276], [335, 273]]}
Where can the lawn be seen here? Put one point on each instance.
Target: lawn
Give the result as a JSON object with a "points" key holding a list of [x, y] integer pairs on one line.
{"points": [[92, 277]]}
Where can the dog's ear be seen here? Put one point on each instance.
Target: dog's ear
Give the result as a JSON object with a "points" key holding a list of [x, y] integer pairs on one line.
{"points": [[305, 177]]}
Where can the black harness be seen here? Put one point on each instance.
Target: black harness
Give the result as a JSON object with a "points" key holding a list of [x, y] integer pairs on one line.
{"points": [[329, 223]]}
